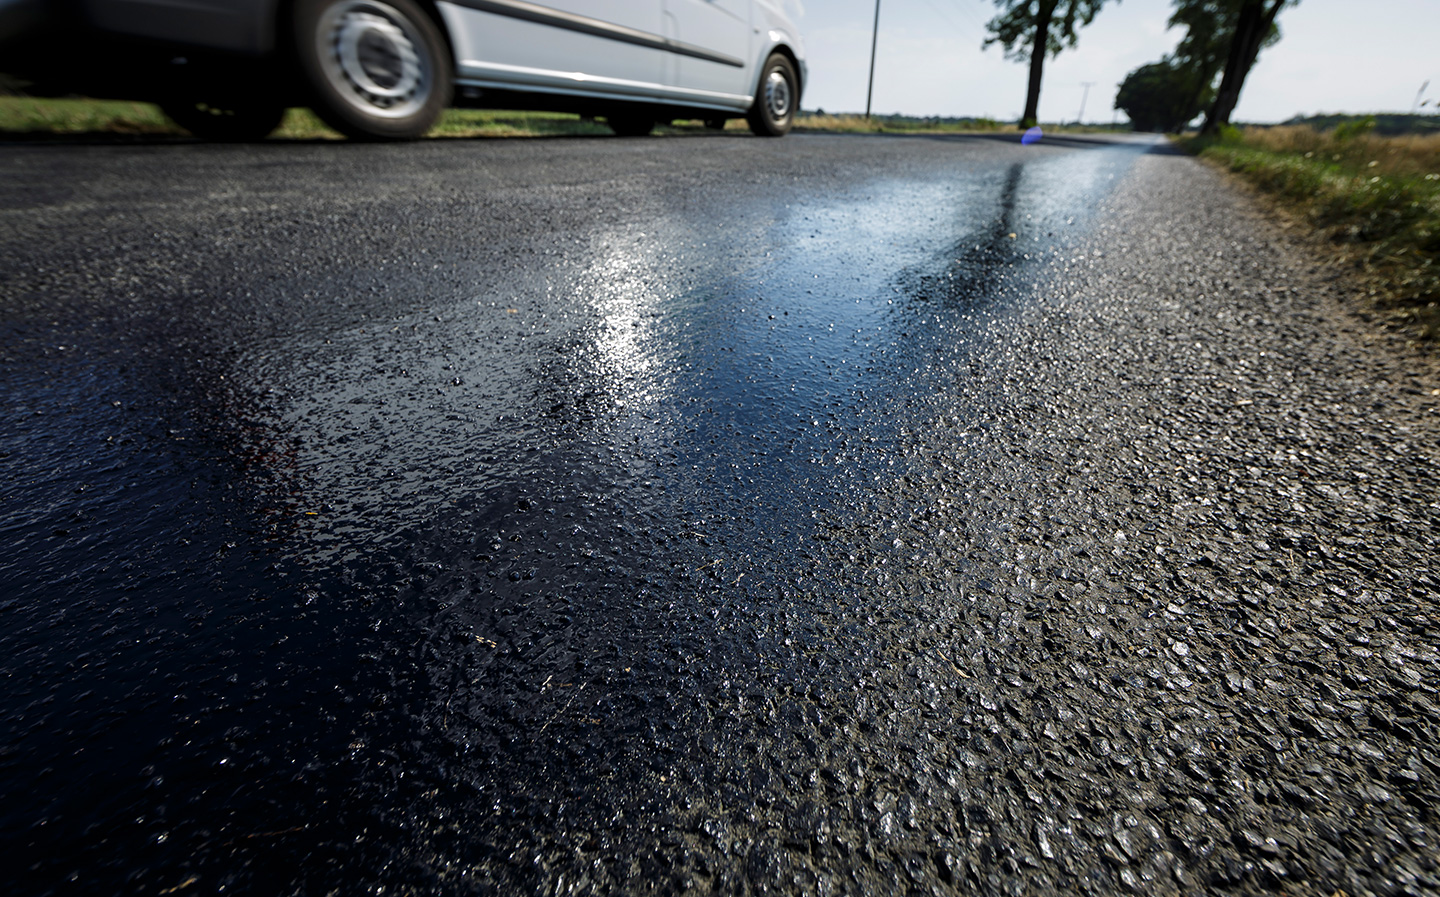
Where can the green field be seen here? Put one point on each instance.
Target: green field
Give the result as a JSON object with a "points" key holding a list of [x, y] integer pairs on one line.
{"points": [[1375, 199]]}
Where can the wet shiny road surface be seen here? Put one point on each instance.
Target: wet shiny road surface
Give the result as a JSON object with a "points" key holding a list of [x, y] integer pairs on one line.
{"points": [[828, 515]]}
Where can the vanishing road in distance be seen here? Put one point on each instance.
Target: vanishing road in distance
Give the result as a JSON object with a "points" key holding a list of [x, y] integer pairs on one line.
{"points": [[834, 515]]}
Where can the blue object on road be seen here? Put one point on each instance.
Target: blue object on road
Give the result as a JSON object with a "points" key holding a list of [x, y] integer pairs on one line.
{"points": [[1032, 136]]}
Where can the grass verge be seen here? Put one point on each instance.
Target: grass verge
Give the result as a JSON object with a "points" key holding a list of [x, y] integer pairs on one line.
{"points": [[26, 117], [51, 118], [1377, 199], [894, 124]]}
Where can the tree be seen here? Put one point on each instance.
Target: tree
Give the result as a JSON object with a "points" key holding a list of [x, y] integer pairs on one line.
{"points": [[1167, 94], [1209, 26], [1209, 32], [1029, 29], [1162, 96], [1253, 26]]}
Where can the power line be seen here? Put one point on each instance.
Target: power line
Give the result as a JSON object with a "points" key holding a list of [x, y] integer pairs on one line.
{"points": [[965, 7], [964, 32]]}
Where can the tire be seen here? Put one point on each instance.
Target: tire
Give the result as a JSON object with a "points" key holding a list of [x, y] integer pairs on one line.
{"points": [[375, 69], [777, 96], [225, 120], [630, 124]]}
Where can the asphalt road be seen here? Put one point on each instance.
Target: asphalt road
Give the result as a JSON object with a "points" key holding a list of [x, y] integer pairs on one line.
{"points": [[827, 515]]}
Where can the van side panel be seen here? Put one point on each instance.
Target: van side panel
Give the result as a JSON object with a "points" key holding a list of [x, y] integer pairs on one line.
{"points": [[522, 44], [721, 26]]}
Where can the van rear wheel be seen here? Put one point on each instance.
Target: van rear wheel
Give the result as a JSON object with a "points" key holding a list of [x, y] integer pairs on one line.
{"points": [[376, 69]]}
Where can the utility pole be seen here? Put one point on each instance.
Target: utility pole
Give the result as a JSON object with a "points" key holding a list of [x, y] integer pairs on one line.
{"points": [[874, 41], [1080, 119]]}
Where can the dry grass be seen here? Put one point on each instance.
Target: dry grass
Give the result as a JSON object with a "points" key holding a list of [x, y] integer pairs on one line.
{"points": [[1405, 156], [894, 124]]}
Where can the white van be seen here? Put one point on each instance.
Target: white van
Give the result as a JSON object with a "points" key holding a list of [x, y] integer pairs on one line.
{"points": [[386, 69]]}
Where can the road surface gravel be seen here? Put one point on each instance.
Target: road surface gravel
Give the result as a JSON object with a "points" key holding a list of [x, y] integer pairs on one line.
{"points": [[847, 515]]}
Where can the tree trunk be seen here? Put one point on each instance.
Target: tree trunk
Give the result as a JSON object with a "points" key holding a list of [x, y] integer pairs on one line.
{"points": [[1043, 15], [1254, 22], [1204, 76]]}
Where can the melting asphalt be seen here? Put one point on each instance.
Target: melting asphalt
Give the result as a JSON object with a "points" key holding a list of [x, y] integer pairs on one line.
{"points": [[827, 515]]}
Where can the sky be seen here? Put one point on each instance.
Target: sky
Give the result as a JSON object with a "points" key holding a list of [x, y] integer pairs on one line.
{"points": [[1333, 56]]}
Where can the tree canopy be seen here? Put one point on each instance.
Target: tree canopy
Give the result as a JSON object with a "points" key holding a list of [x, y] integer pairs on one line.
{"points": [[1029, 30], [1220, 36], [1209, 31], [1014, 28]]}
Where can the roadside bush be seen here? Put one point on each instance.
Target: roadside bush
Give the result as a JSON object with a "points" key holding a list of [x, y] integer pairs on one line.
{"points": [[1162, 96], [1349, 130]]}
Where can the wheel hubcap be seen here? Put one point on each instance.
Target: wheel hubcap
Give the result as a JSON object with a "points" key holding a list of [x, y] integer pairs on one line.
{"points": [[777, 96], [375, 58]]}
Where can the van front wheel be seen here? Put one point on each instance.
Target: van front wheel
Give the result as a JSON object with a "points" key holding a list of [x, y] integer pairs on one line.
{"points": [[376, 70], [779, 93]]}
